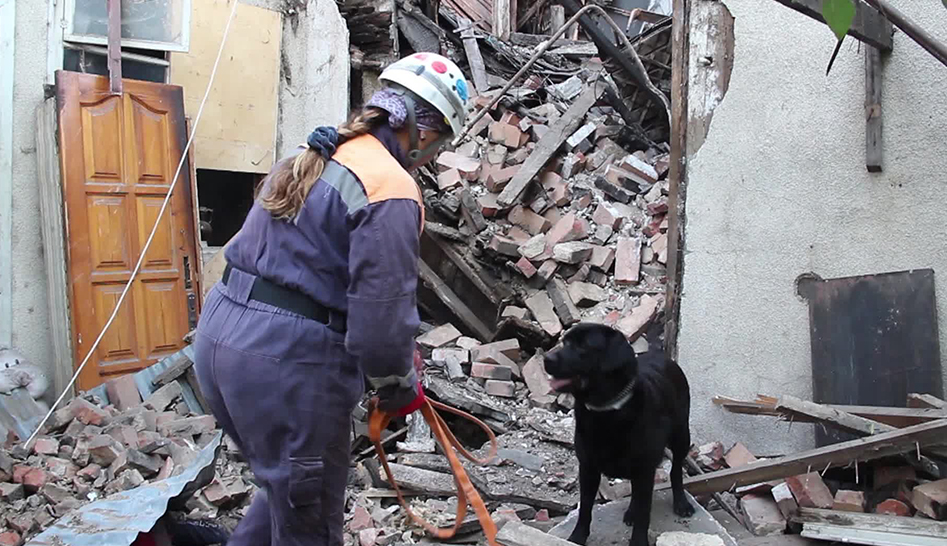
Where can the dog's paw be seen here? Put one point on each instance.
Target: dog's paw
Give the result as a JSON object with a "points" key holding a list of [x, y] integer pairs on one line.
{"points": [[683, 508], [578, 537]]}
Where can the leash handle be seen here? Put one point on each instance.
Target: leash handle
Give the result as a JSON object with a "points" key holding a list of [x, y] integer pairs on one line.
{"points": [[379, 420]]}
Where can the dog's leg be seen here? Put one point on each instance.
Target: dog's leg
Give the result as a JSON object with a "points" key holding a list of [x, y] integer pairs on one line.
{"points": [[589, 479], [680, 445], [639, 511]]}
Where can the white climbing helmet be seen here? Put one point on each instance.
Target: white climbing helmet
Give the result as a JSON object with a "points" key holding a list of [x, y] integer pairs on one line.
{"points": [[435, 79]]}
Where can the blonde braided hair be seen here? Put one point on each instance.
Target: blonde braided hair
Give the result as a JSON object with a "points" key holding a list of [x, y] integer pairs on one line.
{"points": [[289, 184]]}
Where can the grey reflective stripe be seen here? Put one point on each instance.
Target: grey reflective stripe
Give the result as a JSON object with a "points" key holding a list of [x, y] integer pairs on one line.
{"points": [[407, 380], [348, 186]]}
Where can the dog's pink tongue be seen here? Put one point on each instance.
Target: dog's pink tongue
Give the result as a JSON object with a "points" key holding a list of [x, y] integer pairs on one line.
{"points": [[558, 384]]}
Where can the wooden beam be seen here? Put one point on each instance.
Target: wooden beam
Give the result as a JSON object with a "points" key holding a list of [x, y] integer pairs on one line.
{"points": [[533, 11], [475, 59], [7, 55], [115, 46], [873, 120], [550, 143], [869, 26], [502, 19], [921, 37], [855, 528], [842, 454], [52, 222], [916, 400], [450, 299], [557, 18]]}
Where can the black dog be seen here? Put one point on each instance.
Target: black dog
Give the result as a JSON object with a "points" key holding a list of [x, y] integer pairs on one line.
{"points": [[627, 411]]}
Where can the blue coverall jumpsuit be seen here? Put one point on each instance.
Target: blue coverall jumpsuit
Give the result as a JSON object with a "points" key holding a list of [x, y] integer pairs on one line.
{"points": [[284, 386]]}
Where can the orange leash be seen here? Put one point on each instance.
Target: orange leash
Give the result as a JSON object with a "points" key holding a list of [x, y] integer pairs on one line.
{"points": [[378, 421]]}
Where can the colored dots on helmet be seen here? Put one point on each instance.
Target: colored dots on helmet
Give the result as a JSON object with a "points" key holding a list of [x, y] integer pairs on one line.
{"points": [[420, 56], [439, 67], [461, 87]]}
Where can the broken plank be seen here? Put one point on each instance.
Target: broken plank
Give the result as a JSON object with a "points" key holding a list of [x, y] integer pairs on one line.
{"points": [[477, 68], [848, 535], [873, 119], [450, 299], [550, 143], [896, 417], [173, 372], [845, 453], [872, 522], [925, 401], [869, 26]]}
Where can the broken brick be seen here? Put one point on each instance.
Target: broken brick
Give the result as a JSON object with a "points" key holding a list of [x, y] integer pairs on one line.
{"points": [[739, 456], [10, 538], [490, 371], [90, 472], [602, 234], [529, 220], [659, 243], [537, 381], [46, 446], [784, 500], [526, 268], [87, 413], [440, 336], [572, 165], [513, 311], [518, 234], [612, 190], [123, 392], [54, 493], [562, 301], [147, 465], [628, 261], [605, 217], [10, 492], [763, 517], [22, 523], [581, 274], [488, 205], [35, 479], [499, 178], [163, 397], [547, 270], [509, 348], [574, 252], [580, 135], [470, 210], [103, 449], [637, 322], [504, 246], [931, 499], [166, 469], [641, 170], [585, 294], [849, 501], [569, 228], [810, 491], [544, 312], [469, 168], [602, 258], [893, 507], [449, 180], [189, 426], [533, 248], [61, 468], [505, 389]]}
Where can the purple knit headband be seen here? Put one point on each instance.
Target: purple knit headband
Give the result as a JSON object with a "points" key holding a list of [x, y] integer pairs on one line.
{"points": [[427, 117]]}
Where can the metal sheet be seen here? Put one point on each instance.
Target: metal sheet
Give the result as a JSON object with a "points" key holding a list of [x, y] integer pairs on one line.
{"points": [[19, 414], [874, 340], [117, 520]]}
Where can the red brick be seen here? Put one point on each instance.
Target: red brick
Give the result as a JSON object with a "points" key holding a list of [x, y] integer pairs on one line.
{"points": [[893, 507], [509, 348], [602, 258], [628, 261], [550, 179], [931, 499], [510, 118], [88, 413], [519, 235], [739, 456], [659, 244], [505, 389], [708, 456], [572, 165], [488, 205], [613, 191], [123, 392], [640, 169], [449, 180], [569, 228], [514, 311], [469, 168], [641, 316], [784, 499], [763, 517], [541, 306], [553, 215], [560, 194], [104, 449], [574, 252], [91, 472], [506, 134], [547, 270], [490, 371], [35, 479], [810, 491], [654, 227], [849, 501], [604, 217], [659, 207], [586, 294], [533, 248], [499, 178], [526, 267], [504, 246], [166, 469], [10, 492], [542, 515], [46, 446], [19, 471], [10, 538], [584, 202], [528, 220]]}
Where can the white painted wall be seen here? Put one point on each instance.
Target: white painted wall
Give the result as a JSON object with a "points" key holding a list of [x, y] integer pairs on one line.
{"points": [[317, 53], [779, 188]]}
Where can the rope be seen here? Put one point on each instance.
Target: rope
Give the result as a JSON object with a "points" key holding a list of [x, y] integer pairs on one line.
{"points": [[151, 237]]}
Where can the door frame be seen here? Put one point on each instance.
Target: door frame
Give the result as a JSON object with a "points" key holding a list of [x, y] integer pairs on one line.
{"points": [[7, 69]]}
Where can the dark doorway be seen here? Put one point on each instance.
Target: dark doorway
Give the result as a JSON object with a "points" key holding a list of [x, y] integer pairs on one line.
{"points": [[225, 198]]}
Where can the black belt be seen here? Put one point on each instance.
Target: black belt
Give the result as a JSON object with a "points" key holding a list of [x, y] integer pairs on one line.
{"points": [[268, 292]]}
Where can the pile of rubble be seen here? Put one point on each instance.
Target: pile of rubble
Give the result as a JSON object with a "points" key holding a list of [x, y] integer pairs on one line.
{"points": [[88, 452]]}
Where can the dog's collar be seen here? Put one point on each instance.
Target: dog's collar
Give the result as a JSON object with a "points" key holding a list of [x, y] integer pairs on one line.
{"points": [[616, 403]]}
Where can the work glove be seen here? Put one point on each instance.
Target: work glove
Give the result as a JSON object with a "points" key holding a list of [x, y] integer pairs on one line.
{"points": [[400, 400]]}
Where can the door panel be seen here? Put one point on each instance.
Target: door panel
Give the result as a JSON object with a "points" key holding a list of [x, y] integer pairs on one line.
{"points": [[118, 156]]}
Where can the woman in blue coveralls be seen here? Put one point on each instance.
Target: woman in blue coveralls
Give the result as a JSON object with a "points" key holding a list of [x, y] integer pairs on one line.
{"points": [[319, 293]]}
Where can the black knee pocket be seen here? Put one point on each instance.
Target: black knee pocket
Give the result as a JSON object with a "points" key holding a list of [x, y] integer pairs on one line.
{"points": [[306, 482]]}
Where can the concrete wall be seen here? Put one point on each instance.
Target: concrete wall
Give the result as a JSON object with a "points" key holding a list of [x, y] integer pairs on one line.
{"points": [[30, 312], [316, 53], [779, 188]]}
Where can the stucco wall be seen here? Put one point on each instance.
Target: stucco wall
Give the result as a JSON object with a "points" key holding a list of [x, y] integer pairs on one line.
{"points": [[30, 313], [316, 53], [780, 188]]}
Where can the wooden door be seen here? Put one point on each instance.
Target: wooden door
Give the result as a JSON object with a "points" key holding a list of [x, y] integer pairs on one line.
{"points": [[118, 156]]}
